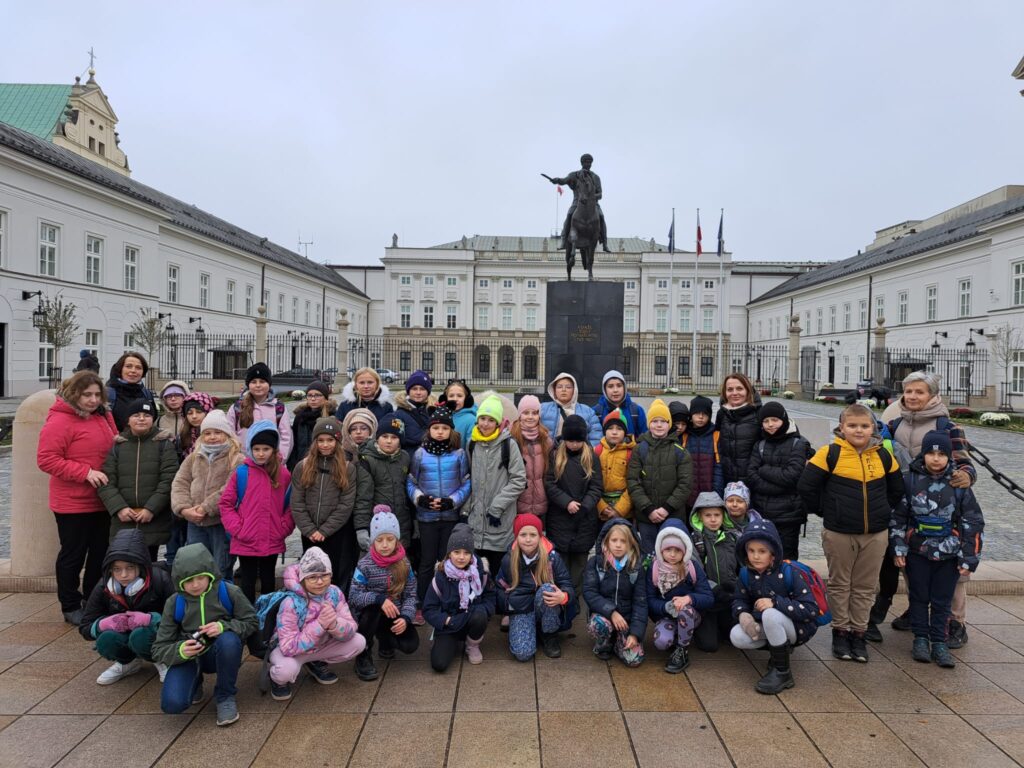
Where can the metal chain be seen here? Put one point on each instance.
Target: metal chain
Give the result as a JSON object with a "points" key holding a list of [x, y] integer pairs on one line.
{"points": [[980, 458]]}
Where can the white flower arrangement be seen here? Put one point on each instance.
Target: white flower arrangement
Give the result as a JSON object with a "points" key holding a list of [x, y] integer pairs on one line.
{"points": [[868, 401], [995, 419], [672, 390], [789, 394], [828, 385], [820, 398], [298, 394]]}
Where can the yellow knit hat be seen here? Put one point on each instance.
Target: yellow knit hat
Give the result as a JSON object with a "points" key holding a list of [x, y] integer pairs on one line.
{"points": [[658, 410]]}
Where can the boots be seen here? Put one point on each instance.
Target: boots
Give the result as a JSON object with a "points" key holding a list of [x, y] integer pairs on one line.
{"points": [[858, 648], [678, 661], [841, 644], [473, 651], [779, 676], [942, 656], [921, 651], [365, 670]]}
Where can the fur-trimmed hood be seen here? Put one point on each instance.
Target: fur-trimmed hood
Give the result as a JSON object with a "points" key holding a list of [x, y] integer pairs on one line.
{"points": [[384, 395]]}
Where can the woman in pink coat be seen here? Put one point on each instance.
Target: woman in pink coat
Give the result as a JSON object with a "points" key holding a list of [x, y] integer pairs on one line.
{"points": [[73, 444]]}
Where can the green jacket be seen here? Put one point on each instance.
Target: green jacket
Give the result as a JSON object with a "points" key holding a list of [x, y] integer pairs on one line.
{"points": [[381, 480], [140, 471], [195, 560], [660, 474]]}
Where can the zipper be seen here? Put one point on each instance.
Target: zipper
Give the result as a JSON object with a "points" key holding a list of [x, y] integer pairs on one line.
{"points": [[320, 495], [138, 459], [864, 489]]}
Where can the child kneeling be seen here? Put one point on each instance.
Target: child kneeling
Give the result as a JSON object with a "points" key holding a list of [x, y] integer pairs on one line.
{"points": [[769, 612], [201, 631], [613, 586], [459, 601], [535, 589], [314, 626], [677, 593], [123, 610]]}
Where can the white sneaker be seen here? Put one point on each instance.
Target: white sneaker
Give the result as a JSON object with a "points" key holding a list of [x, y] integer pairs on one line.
{"points": [[161, 669], [117, 670]]}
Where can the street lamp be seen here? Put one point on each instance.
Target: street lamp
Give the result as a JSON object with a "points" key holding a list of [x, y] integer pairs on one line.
{"points": [[943, 334], [38, 314], [170, 320], [199, 341], [970, 341]]}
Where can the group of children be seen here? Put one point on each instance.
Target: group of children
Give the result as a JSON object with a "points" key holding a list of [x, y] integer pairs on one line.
{"points": [[516, 519]]}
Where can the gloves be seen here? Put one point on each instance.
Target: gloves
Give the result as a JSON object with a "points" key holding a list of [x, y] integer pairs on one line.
{"points": [[447, 503], [671, 610], [363, 537], [116, 623], [137, 619], [494, 522], [423, 501], [751, 627]]}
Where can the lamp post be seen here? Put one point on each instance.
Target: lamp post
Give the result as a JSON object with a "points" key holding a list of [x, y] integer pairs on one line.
{"points": [[172, 341], [199, 339], [970, 348], [38, 314]]}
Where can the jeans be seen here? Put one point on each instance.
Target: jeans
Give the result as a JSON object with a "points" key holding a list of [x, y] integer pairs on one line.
{"points": [[126, 646], [374, 624], [790, 535], [215, 539], [522, 627], [433, 543], [446, 644], [222, 658], [83, 541], [930, 584]]}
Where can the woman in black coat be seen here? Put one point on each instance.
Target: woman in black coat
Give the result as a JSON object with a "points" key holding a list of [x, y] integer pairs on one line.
{"points": [[739, 427], [126, 385]]}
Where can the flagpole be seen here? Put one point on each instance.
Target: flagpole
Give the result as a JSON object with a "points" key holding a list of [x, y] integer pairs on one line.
{"points": [[696, 306], [671, 262], [722, 308]]}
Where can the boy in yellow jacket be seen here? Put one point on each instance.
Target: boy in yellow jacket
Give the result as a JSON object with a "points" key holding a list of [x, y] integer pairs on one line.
{"points": [[613, 452]]}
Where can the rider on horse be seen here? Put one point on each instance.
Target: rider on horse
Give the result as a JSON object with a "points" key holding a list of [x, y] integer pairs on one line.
{"points": [[574, 180]]}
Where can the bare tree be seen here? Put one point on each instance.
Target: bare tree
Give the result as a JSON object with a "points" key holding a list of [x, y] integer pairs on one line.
{"points": [[58, 325], [148, 333], [1006, 342]]}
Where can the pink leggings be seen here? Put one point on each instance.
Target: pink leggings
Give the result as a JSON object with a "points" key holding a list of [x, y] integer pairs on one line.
{"points": [[285, 669]]}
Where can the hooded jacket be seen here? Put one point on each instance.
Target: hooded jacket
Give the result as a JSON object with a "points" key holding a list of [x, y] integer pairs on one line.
{"points": [[129, 546], [323, 506], [739, 429], [381, 405], [494, 491], [169, 420], [381, 479], [912, 426], [534, 499], [140, 471], [702, 445], [293, 638], [696, 586], [71, 443], [442, 600], [661, 478], [303, 420], [520, 600], [196, 560], [552, 414], [859, 496], [614, 466], [776, 464], [370, 584], [607, 590], [716, 551], [572, 533], [261, 521], [634, 426], [798, 604], [200, 482], [415, 417], [444, 476], [269, 410]]}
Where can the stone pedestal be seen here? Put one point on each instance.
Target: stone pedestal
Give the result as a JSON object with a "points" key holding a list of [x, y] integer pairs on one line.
{"points": [[34, 542], [583, 332], [793, 356]]}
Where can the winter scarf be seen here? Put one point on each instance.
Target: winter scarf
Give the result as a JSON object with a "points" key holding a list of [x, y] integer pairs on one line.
{"points": [[437, 447], [479, 438], [468, 579], [394, 557]]}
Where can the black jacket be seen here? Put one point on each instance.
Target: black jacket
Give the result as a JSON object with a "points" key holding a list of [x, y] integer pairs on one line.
{"points": [[303, 421], [573, 533], [740, 429], [776, 464], [607, 590]]}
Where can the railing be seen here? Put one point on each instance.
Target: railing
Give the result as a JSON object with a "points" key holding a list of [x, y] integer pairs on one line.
{"points": [[303, 350], [963, 372], [203, 355]]}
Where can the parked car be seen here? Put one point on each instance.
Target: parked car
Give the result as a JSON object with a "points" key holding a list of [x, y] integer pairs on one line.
{"points": [[387, 375], [298, 376]]}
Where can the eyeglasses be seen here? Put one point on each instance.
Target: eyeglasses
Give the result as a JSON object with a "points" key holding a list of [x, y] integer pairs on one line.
{"points": [[319, 577]]}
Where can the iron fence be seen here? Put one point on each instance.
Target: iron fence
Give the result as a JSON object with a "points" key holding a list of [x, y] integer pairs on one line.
{"points": [[301, 352], [201, 355], [963, 372]]}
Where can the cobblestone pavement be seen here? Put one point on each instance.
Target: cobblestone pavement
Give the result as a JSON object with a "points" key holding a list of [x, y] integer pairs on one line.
{"points": [[573, 711]]}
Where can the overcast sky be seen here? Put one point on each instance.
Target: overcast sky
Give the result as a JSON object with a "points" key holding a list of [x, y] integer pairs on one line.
{"points": [[811, 124]]}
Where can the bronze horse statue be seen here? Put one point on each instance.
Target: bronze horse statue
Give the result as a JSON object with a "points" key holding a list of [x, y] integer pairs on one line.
{"points": [[584, 230]]}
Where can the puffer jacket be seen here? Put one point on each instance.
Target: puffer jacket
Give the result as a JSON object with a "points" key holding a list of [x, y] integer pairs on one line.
{"points": [[572, 533], [415, 417], [200, 482], [859, 496], [494, 491], [269, 410], [520, 600], [695, 583], [370, 584], [303, 420], [196, 560], [381, 480], [662, 478], [776, 464], [702, 445], [445, 476], [442, 601], [294, 638], [935, 520], [463, 422], [552, 414], [71, 443], [140, 471], [797, 603], [379, 406], [614, 464], [739, 429], [533, 500], [121, 394], [128, 545], [607, 590], [323, 506], [633, 413], [716, 551]]}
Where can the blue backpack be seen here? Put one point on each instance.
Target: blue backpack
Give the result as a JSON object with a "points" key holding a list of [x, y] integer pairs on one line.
{"points": [[810, 578], [222, 594], [242, 480]]}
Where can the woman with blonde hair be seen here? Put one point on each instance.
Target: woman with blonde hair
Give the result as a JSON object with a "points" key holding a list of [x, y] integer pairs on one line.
{"points": [[366, 390]]}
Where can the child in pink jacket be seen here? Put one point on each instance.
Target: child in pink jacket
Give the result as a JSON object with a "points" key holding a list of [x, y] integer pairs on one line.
{"points": [[314, 626], [254, 509], [258, 402]]}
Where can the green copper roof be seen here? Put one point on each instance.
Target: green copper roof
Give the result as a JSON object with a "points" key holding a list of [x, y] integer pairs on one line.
{"points": [[36, 109]]}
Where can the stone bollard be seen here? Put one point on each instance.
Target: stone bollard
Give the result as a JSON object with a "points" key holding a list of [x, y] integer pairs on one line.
{"points": [[34, 541]]}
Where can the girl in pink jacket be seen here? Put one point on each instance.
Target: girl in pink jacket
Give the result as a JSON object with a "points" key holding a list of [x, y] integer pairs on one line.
{"points": [[257, 403], [255, 512], [314, 626]]}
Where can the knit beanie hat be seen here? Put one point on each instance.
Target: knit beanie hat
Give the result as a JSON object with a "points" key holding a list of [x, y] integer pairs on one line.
{"points": [[739, 488], [937, 440], [575, 428], [525, 519], [141, 405], [659, 410], [613, 419], [701, 404], [172, 388], [672, 533], [199, 401], [529, 403], [461, 538], [319, 386], [491, 407], [258, 371], [327, 425], [360, 416], [265, 437], [384, 522], [679, 411], [441, 415], [217, 420], [774, 409], [391, 426], [612, 375], [314, 561], [419, 379]]}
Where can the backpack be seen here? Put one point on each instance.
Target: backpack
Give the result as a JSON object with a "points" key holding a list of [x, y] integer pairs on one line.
{"points": [[242, 481], [714, 443], [833, 458], [222, 595], [505, 448], [796, 436], [263, 640], [644, 449], [810, 578]]}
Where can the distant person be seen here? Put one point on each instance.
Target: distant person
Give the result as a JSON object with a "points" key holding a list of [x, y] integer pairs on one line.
{"points": [[87, 362]]}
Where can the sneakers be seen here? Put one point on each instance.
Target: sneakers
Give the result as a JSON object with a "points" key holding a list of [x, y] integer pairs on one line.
{"points": [[318, 671], [418, 619], [678, 661], [956, 635], [841, 645], [603, 652], [365, 670], [902, 622], [922, 651], [279, 693], [161, 670], [858, 647], [550, 645], [117, 670], [873, 633], [197, 697], [227, 712], [942, 656], [473, 651]]}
